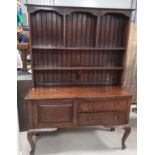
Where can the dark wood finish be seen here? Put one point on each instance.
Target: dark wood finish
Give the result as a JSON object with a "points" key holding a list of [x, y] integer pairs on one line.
{"points": [[104, 105], [70, 36], [78, 57], [55, 113], [81, 92], [31, 134], [75, 113], [77, 68], [125, 136], [106, 118], [77, 48]]}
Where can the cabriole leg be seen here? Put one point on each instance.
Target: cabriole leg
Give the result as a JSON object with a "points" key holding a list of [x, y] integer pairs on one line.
{"points": [[125, 136], [30, 140]]}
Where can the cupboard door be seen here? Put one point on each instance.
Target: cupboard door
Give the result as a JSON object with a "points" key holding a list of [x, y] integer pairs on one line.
{"points": [[55, 113]]}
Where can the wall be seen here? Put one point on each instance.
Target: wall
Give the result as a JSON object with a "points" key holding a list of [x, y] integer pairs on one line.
{"points": [[130, 80]]}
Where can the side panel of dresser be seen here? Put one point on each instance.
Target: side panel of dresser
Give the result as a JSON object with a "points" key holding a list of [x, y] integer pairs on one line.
{"points": [[71, 113]]}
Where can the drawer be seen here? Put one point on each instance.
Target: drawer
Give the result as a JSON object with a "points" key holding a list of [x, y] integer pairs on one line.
{"points": [[104, 118], [103, 105], [84, 107], [51, 113]]}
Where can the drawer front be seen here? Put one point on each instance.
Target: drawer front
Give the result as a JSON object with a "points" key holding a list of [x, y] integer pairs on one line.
{"points": [[84, 107], [55, 113], [104, 118], [104, 105]]}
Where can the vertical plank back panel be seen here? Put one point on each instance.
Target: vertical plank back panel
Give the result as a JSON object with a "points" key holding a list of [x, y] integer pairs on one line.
{"points": [[80, 28]]}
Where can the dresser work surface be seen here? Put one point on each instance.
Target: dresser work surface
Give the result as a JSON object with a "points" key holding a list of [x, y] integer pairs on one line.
{"points": [[76, 92], [78, 57]]}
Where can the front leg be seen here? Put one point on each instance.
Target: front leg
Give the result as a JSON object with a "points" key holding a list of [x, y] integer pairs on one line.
{"points": [[30, 140], [125, 136], [36, 132]]}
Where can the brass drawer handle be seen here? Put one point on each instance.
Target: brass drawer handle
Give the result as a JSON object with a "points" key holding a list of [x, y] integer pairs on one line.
{"points": [[115, 118], [115, 105]]}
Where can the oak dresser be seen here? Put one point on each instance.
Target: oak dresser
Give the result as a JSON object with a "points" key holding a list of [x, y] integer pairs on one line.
{"points": [[78, 58]]}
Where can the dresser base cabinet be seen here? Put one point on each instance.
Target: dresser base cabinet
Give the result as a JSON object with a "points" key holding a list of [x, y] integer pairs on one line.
{"points": [[106, 106]]}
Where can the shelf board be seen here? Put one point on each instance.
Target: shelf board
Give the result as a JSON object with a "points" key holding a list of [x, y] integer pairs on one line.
{"points": [[77, 83], [78, 48], [77, 68]]}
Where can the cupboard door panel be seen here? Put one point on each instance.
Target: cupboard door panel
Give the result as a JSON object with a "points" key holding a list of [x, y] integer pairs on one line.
{"points": [[55, 113]]}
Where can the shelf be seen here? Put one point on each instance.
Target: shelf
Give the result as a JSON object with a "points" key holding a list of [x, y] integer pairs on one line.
{"points": [[76, 83], [78, 48], [77, 68]]}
